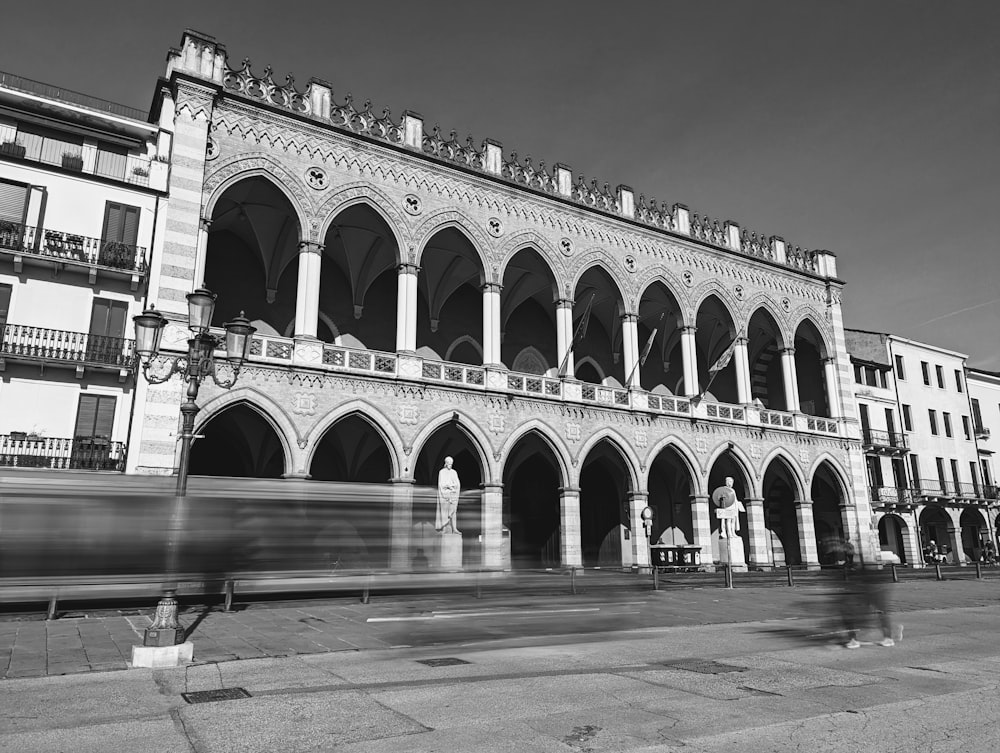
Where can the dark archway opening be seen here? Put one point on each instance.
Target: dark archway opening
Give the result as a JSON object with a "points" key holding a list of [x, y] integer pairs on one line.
{"points": [[237, 442], [604, 520], [779, 515], [670, 492], [531, 482]]}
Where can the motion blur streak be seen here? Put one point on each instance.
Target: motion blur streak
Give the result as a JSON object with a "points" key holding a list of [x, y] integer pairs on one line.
{"points": [[63, 534]]}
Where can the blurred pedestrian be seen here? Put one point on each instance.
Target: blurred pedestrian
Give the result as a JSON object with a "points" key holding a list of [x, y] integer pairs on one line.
{"points": [[867, 598], [848, 553]]}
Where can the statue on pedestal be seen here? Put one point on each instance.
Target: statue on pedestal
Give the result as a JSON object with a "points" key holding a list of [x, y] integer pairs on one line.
{"points": [[447, 502], [729, 509]]}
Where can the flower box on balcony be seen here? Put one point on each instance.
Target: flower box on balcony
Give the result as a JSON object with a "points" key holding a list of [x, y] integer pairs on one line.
{"points": [[72, 161], [18, 436], [117, 254], [13, 149]]}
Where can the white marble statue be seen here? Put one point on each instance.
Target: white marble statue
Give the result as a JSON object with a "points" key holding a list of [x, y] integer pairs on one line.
{"points": [[447, 502], [729, 509]]}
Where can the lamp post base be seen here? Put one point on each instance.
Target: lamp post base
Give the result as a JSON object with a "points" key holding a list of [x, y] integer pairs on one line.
{"points": [[163, 636], [162, 656]]}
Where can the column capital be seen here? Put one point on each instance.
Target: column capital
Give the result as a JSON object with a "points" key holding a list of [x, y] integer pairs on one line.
{"points": [[699, 498], [788, 351], [803, 503], [741, 339], [568, 490], [491, 487], [688, 328], [310, 247], [206, 223], [564, 303], [401, 481], [491, 287], [830, 360], [408, 268], [630, 316], [755, 501]]}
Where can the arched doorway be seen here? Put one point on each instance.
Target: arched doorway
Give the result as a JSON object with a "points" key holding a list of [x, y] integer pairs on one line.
{"points": [[527, 315], [780, 493], [671, 488], [892, 536], [935, 529], [974, 534], [358, 282], [531, 483], [237, 442], [604, 519], [727, 465], [715, 333], [810, 351], [252, 256], [450, 440], [450, 313], [828, 499]]}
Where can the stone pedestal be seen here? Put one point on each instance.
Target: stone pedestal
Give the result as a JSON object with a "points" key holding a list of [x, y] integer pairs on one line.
{"points": [[162, 656], [733, 547], [449, 551]]}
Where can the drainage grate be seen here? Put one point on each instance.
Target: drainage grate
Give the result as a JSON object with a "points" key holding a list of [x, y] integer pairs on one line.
{"points": [[208, 696], [447, 661], [703, 666]]}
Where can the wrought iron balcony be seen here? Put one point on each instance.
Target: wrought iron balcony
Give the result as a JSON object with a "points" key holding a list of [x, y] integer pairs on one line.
{"points": [[86, 453], [963, 491], [61, 246], [59, 347], [896, 495], [883, 440], [981, 432]]}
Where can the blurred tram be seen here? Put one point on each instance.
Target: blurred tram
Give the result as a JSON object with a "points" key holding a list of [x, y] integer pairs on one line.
{"points": [[77, 536]]}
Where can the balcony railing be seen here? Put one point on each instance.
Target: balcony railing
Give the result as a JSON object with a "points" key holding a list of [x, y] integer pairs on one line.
{"points": [[55, 345], [63, 246], [13, 81], [930, 488], [90, 453], [899, 495], [884, 439], [981, 432]]}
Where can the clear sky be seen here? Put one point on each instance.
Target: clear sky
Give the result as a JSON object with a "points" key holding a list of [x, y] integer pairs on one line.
{"points": [[865, 127]]}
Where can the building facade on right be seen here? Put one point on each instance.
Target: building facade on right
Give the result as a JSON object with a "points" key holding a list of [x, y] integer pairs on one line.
{"points": [[929, 487], [984, 397]]}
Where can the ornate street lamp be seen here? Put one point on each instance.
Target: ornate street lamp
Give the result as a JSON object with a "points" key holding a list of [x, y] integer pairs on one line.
{"points": [[199, 363]]}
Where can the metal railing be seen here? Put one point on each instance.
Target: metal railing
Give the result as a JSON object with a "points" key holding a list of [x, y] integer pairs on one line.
{"points": [[878, 438], [74, 156], [894, 494], [58, 244], [12, 81], [39, 343], [85, 453], [962, 490]]}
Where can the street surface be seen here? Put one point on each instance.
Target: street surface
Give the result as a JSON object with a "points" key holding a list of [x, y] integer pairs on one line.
{"points": [[697, 669]]}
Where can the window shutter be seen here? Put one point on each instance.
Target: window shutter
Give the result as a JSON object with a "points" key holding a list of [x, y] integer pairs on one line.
{"points": [[5, 291], [112, 222], [105, 420], [13, 197], [116, 319], [99, 316], [130, 226], [86, 413]]}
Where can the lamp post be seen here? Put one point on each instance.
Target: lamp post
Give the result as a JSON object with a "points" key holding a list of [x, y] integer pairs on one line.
{"points": [[199, 363]]}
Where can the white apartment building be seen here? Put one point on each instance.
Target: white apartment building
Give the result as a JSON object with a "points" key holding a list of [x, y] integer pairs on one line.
{"points": [[923, 466], [80, 201], [984, 395]]}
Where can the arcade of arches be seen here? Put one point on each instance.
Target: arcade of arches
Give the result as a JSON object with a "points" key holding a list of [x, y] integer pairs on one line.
{"points": [[357, 289], [534, 512]]}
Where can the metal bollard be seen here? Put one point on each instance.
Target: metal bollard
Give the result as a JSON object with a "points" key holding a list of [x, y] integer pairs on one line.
{"points": [[791, 578], [572, 580], [230, 589], [365, 596], [979, 571], [845, 571], [729, 575], [656, 578], [479, 592], [895, 575], [937, 570], [53, 612]]}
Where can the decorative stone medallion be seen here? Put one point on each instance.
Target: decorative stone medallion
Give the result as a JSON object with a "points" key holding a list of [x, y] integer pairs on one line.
{"points": [[304, 404], [688, 278], [573, 432], [497, 423], [316, 178], [566, 246], [211, 150], [786, 305], [738, 292], [408, 414], [641, 439], [494, 226], [412, 204], [630, 263]]}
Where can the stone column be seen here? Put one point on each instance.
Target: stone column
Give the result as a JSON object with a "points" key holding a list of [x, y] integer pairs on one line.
{"points": [[201, 255], [807, 533], [406, 308], [830, 377], [307, 292], [637, 502], [760, 551], [570, 547], [955, 542], [564, 334], [630, 347], [400, 525], [701, 528], [492, 527], [744, 394], [491, 324], [788, 373], [689, 353]]}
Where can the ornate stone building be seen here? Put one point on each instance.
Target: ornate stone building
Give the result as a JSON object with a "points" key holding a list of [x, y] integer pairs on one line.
{"points": [[418, 296]]}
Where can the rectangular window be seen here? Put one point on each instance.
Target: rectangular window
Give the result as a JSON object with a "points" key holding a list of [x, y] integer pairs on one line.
{"points": [[111, 161], [900, 372], [940, 376], [947, 424], [987, 476], [120, 236], [925, 370], [890, 426], [915, 470], [932, 415], [966, 427], [13, 209], [874, 471], [899, 473], [954, 475], [974, 473], [5, 291], [907, 418], [95, 419], [858, 375], [107, 328], [958, 381], [942, 479], [977, 416]]}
